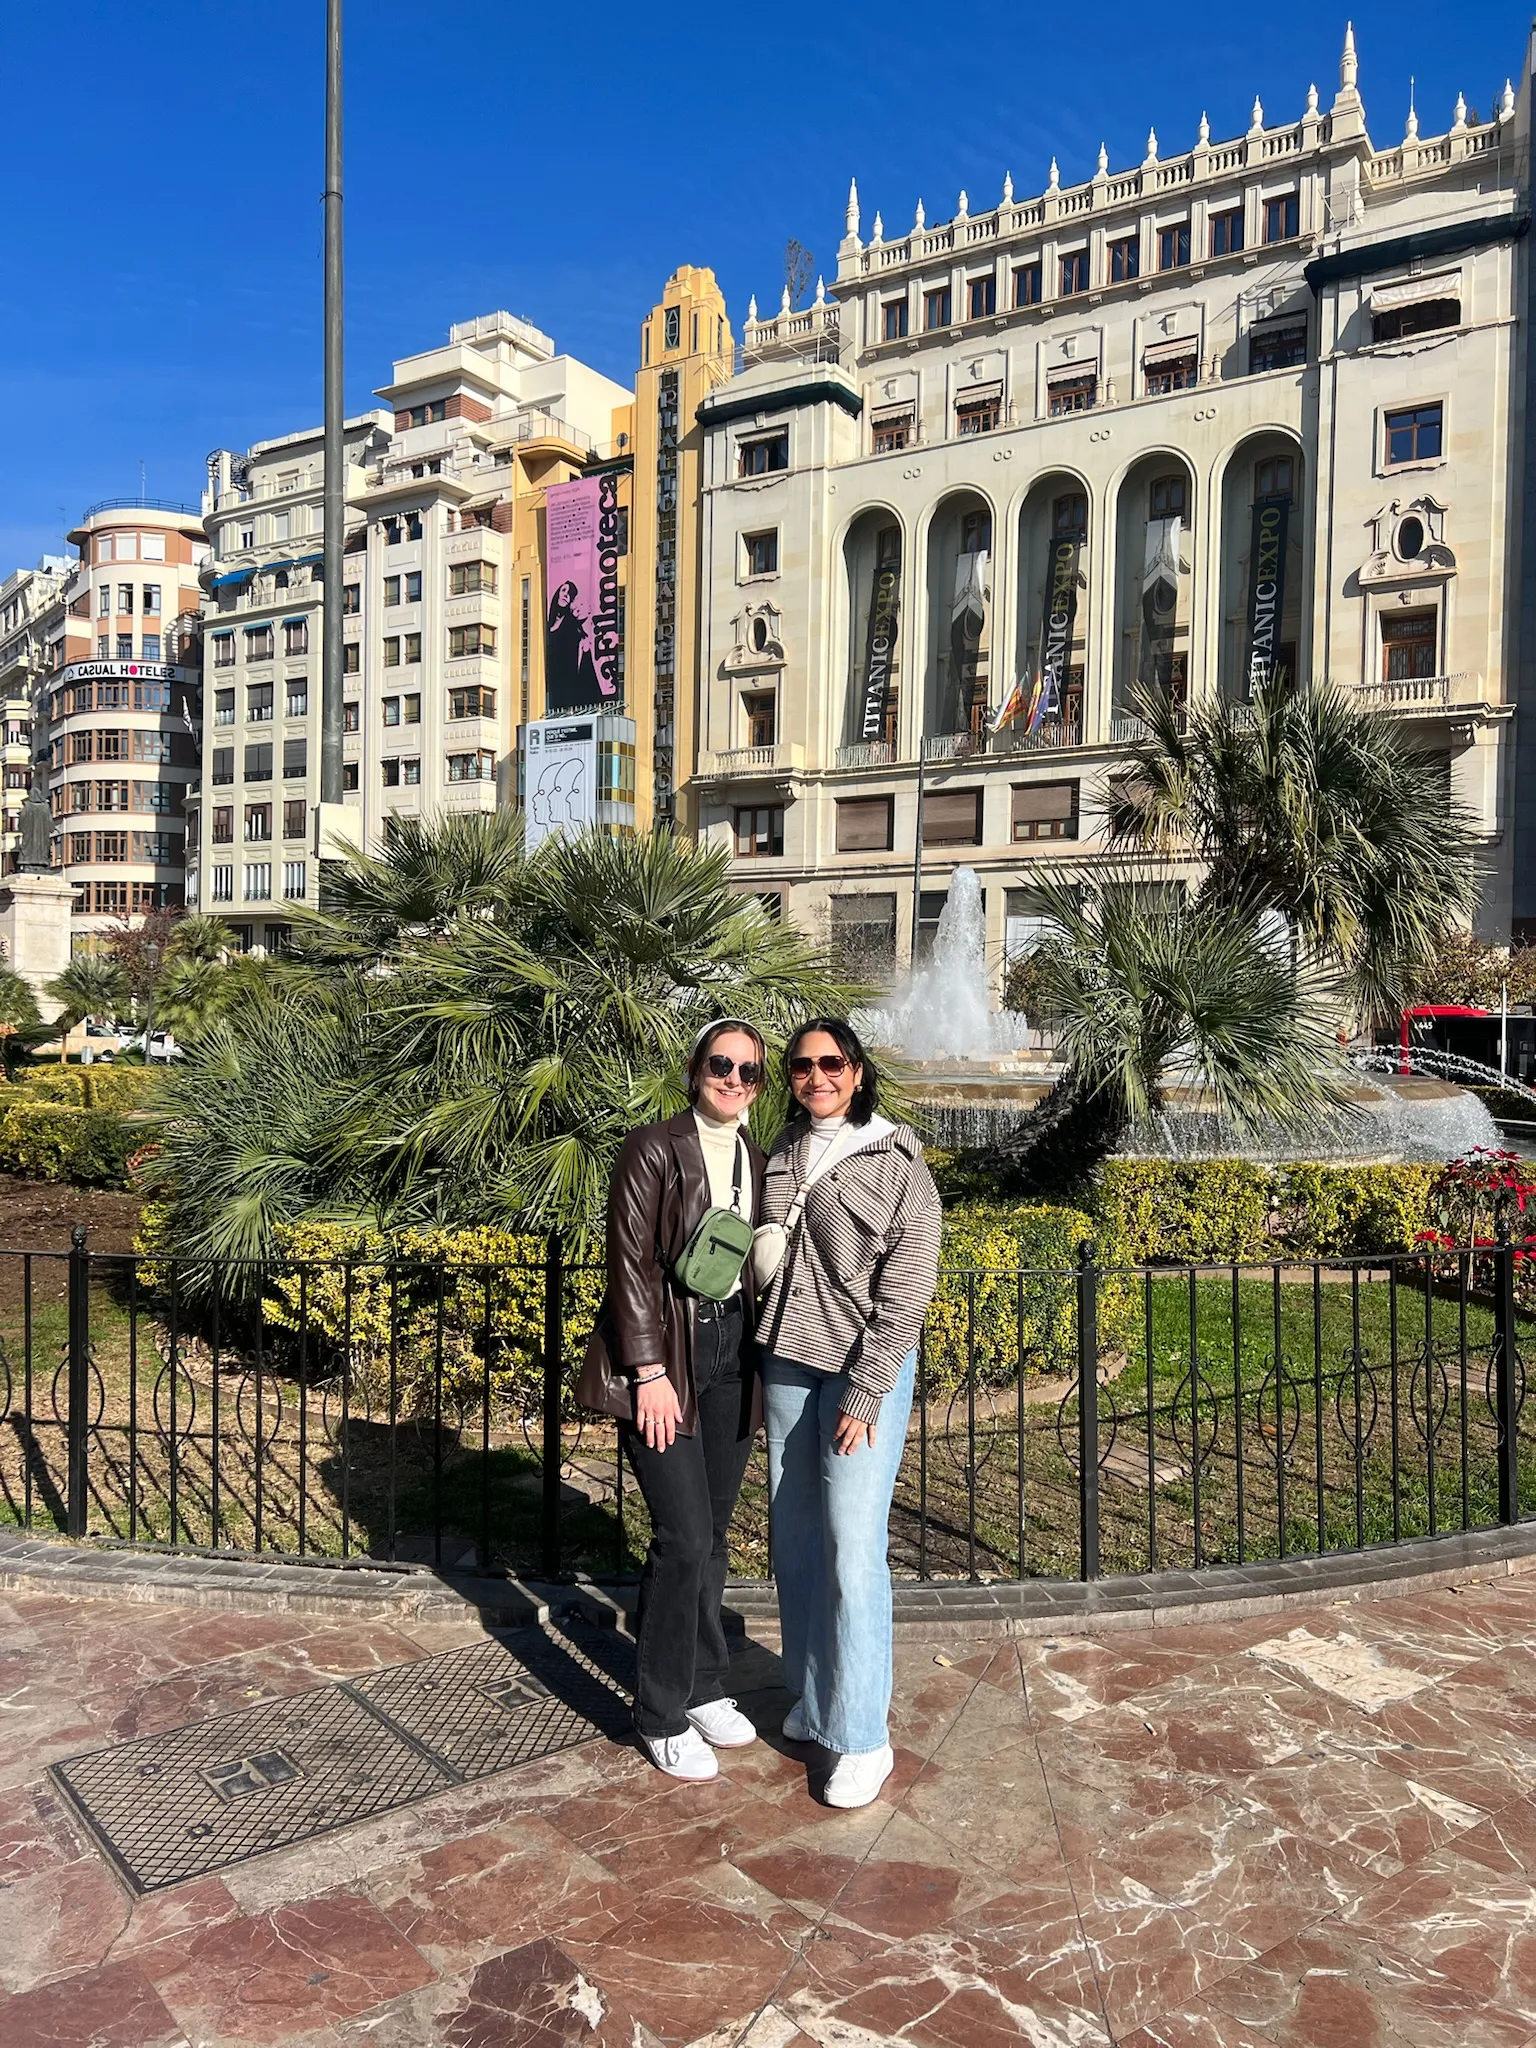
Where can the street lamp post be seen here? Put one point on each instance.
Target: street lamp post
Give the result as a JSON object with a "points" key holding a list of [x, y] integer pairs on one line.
{"points": [[335, 441]]}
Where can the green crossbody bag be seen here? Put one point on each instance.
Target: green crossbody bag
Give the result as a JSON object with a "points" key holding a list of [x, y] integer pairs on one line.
{"points": [[715, 1254]]}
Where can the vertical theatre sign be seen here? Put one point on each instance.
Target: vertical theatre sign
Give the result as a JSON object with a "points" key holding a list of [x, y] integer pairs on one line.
{"points": [[880, 649], [1159, 602], [581, 623], [1056, 640], [1266, 591], [665, 645]]}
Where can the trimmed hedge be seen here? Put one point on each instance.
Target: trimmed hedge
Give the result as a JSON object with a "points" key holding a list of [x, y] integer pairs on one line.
{"points": [[59, 1141], [1156, 1211], [98, 1086]]}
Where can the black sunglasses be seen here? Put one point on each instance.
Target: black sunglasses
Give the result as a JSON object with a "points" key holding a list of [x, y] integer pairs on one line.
{"points": [[722, 1066], [831, 1063]]}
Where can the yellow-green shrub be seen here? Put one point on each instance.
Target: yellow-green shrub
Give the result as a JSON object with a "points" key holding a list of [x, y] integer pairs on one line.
{"points": [[1149, 1210], [1009, 1290], [60, 1141], [1353, 1211], [455, 1294], [99, 1086]]}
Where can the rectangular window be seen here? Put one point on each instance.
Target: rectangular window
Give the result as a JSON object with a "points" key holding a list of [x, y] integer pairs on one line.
{"points": [[258, 702], [760, 832], [389, 771], [125, 647], [391, 590], [295, 875], [351, 659], [104, 548], [473, 639], [296, 636], [391, 710], [112, 846], [761, 553], [1074, 273], [348, 776], [410, 770], [894, 320], [1401, 323], [223, 816], [477, 767], [464, 578], [258, 762], [1274, 476], [151, 598], [952, 817], [893, 432], [103, 600], [1044, 810], [1172, 373], [79, 847], [1026, 285], [295, 759], [258, 881], [223, 707], [125, 600], [1415, 435], [258, 821], [413, 526], [295, 818], [351, 600], [1173, 246], [223, 764], [410, 708], [351, 715], [865, 824], [110, 746], [296, 698], [223, 879], [760, 711], [1409, 645], [1282, 218], [472, 703], [392, 651], [937, 307], [1227, 233], [223, 650], [149, 646], [151, 547], [258, 643], [761, 457], [1072, 394], [1168, 498], [413, 587], [981, 297], [1125, 260], [411, 648], [159, 849], [1277, 348], [978, 415], [111, 796]]}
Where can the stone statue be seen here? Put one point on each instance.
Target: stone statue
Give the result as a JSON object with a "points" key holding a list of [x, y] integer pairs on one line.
{"points": [[36, 824]]}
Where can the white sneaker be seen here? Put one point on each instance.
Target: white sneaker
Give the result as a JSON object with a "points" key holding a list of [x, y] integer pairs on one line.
{"points": [[856, 1780], [794, 1723], [723, 1724], [682, 1756]]}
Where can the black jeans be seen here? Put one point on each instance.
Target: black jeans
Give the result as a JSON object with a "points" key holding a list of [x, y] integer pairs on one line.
{"points": [[681, 1657]]}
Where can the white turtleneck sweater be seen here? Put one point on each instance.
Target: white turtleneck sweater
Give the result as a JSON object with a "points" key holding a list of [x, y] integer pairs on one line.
{"points": [[823, 1130]]}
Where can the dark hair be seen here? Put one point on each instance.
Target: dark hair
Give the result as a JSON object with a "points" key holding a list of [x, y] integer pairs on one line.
{"points": [[866, 1096], [719, 1029]]}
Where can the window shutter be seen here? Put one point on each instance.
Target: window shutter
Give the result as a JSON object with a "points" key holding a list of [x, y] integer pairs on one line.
{"points": [[864, 824], [1037, 802], [952, 817]]}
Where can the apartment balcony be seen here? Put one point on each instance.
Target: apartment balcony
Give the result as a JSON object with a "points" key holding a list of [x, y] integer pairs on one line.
{"points": [[1427, 696], [867, 754], [758, 769]]}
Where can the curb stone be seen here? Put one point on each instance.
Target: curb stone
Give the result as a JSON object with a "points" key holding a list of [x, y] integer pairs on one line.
{"points": [[1031, 1607]]}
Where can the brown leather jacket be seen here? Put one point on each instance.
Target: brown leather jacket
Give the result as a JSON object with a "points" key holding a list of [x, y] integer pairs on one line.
{"points": [[656, 1198]]}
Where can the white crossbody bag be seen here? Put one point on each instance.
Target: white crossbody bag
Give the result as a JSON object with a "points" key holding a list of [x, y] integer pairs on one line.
{"points": [[771, 1242]]}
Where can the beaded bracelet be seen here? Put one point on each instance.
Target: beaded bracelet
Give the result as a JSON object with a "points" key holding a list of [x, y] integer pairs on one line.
{"points": [[650, 1378]]}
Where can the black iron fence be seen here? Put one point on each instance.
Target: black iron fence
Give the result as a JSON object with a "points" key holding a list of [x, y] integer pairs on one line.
{"points": [[1067, 1422]]}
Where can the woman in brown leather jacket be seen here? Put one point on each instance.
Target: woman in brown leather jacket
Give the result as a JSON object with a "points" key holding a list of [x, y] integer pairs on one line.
{"points": [[679, 1373]]}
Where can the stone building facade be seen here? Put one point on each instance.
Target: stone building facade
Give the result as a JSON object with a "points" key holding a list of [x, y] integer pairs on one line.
{"points": [[1255, 403]]}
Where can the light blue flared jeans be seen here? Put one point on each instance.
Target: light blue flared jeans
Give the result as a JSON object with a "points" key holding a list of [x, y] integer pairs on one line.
{"points": [[829, 1526]]}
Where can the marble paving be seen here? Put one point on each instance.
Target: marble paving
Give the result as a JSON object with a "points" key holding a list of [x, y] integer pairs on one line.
{"points": [[1312, 1831]]}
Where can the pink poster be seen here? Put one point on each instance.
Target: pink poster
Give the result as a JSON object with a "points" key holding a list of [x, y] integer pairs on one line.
{"points": [[583, 653]]}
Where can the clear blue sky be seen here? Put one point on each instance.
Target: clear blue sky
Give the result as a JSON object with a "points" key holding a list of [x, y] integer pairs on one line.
{"points": [[161, 291]]}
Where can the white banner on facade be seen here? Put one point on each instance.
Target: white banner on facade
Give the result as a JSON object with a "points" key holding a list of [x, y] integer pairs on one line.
{"points": [[559, 778]]}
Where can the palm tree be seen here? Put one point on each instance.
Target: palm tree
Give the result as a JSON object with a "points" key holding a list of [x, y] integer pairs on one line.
{"points": [[1308, 805], [21, 1022], [486, 1026], [1146, 988], [92, 985], [201, 936]]}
